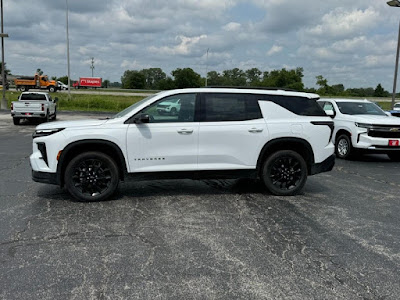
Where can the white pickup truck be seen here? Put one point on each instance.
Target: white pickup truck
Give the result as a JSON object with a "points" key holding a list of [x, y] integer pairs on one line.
{"points": [[31, 105]]}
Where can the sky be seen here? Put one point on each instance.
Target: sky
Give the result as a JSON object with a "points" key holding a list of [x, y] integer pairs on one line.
{"points": [[349, 42]]}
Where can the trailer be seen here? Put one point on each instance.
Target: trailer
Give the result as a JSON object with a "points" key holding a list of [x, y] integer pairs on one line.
{"points": [[88, 82]]}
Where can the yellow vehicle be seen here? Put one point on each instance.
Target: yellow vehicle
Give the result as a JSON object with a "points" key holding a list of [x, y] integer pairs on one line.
{"points": [[35, 82]]}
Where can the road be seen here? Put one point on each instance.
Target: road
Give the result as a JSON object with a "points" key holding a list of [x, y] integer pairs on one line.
{"points": [[211, 239]]}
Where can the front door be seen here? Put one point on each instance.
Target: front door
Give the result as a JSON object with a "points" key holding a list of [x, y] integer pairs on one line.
{"points": [[169, 141]]}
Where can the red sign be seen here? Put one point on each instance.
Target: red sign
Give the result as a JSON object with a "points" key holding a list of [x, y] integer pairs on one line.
{"points": [[394, 143], [90, 81]]}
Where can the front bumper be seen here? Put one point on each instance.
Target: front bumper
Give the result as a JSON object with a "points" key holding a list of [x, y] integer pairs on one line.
{"points": [[325, 166], [44, 177]]}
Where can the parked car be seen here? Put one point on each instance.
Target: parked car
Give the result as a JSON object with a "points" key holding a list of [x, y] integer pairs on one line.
{"points": [[362, 126], [34, 105], [62, 86], [171, 107], [396, 106], [279, 136]]}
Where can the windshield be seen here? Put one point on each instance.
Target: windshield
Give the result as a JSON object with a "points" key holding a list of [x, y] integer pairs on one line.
{"points": [[361, 108], [131, 108]]}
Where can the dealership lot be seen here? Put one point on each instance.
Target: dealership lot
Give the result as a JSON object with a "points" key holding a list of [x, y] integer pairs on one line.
{"points": [[213, 239]]}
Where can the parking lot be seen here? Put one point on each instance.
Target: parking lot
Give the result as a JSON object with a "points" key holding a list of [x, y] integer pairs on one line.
{"points": [[211, 239]]}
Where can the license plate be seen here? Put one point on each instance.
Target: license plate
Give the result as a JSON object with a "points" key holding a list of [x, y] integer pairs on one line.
{"points": [[394, 143]]}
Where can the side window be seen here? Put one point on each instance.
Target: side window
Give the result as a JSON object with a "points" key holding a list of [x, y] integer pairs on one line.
{"points": [[298, 105], [230, 107], [328, 106], [176, 108]]}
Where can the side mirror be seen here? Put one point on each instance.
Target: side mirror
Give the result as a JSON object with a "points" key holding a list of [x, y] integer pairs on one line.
{"points": [[142, 119], [55, 99], [330, 113]]}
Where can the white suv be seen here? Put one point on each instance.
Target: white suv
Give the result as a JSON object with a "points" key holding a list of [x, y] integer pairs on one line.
{"points": [[278, 136], [361, 125]]}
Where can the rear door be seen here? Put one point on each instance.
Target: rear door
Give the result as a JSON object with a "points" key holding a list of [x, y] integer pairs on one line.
{"points": [[232, 132]]}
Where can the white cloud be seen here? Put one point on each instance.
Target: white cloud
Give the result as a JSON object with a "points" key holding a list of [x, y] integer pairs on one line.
{"points": [[184, 48], [274, 50], [232, 26]]}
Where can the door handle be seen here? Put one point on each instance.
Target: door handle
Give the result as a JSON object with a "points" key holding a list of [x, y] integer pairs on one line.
{"points": [[255, 130], [185, 131]]}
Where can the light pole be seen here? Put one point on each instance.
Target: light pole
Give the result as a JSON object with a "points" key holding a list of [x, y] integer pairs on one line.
{"points": [[395, 3], [92, 65], [208, 49], [3, 68], [68, 67]]}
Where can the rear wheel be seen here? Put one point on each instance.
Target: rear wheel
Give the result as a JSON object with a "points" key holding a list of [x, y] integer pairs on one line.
{"points": [[343, 147], [55, 114], [173, 112], [23, 89], [16, 121], [91, 176], [395, 156], [284, 173]]}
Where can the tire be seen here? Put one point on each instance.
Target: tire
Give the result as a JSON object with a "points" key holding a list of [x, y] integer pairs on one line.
{"points": [[395, 156], [343, 147], [55, 114], [16, 121], [23, 89], [91, 176], [47, 118], [52, 89], [284, 173]]}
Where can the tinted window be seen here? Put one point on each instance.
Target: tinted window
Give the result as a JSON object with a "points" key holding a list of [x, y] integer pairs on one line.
{"points": [[30, 97], [299, 105], [354, 108], [176, 108], [230, 107]]}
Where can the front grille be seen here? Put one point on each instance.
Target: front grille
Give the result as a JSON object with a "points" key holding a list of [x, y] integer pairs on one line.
{"points": [[385, 131], [384, 134]]}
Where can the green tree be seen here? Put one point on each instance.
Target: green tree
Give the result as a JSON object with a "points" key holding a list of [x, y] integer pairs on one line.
{"points": [[167, 84], [234, 77], [253, 77], [63, 79], [214, 79], [292, 79], [133, 79], [324, 88], [105, 83], [39, 71], [380, 91], [186, 78], [6, 71], [153, 76]]}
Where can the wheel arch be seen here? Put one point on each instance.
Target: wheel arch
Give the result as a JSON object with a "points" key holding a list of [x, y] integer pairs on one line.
{"points": [[78, 147], [342, 131], [298, 145]]}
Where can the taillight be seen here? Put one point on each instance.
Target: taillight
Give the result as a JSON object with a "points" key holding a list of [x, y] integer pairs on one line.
{"points": [[42, 107]]}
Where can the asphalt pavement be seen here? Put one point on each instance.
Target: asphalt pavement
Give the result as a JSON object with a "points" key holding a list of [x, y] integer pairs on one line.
{"points": [[211, 239]]}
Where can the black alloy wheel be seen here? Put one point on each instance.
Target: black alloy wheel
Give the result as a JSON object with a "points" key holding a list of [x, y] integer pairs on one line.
{"points": [[285, 173], [92, 176]]}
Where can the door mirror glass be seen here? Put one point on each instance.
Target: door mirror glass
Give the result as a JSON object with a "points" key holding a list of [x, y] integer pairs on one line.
{"points": [[330, 112], [143, 118], [55, 99]]}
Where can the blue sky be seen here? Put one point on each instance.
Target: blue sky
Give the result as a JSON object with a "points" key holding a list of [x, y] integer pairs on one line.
{"points": [[349, 42]]}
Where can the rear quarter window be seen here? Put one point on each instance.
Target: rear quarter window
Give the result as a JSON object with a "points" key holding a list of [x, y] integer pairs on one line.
{"points": [[298, 105]]}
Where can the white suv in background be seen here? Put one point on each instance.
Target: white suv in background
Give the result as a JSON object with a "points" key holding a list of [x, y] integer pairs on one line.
{"points": [[362, 126], [278, 136]]}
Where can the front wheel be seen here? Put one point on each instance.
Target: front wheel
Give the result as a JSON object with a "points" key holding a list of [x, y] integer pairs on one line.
{"points": [[92, 176], [343, 147], [52, 89], [395, 156], [284, 173]]}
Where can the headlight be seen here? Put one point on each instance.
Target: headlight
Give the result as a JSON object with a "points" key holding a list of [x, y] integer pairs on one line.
{"points": [[46, 132], [364, 125]]}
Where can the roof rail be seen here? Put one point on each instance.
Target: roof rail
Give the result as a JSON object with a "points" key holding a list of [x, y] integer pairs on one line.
{"points": [[251, 88]]}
